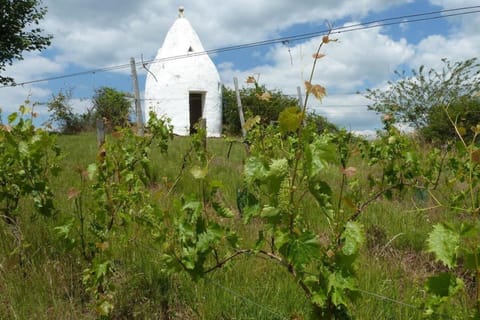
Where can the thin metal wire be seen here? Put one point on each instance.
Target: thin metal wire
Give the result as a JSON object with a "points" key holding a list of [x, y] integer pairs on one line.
{"points": [[356, 27], [238, 295]]}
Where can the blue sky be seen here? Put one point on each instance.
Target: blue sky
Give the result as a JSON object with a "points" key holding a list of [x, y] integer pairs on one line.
{"points": [[89, 34]]}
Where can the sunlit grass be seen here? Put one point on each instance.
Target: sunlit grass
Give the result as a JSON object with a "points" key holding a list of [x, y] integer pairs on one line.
{"points": [[47, 284]]}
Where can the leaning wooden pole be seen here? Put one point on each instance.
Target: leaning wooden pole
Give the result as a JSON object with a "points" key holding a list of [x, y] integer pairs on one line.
{"points": [[240, 107], [136, 92]]}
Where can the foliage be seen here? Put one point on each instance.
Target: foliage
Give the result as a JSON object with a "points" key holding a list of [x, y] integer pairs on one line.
{"points": [[63, 115], [286, 163], [113, 106], [28, 158], [119, 185], [267, 104], [19, 31], [456, 244], [256, 100], [202, 240], [411, 98], [320, 123], [296, 218], [465, 114]]}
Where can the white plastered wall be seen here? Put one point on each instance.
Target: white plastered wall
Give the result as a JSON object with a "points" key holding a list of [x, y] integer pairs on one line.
{"points": [[171, 79]]}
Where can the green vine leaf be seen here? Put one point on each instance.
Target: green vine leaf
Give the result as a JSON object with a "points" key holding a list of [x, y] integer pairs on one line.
{"points": [[353, 238], [290, 119], [198, 172], [254, 169], [444, 284], [339, 285], [222, 211], [444, 242], [301, 250]]}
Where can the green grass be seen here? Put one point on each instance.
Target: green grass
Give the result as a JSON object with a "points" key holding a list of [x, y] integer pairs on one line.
{"points": [[47, 284]]}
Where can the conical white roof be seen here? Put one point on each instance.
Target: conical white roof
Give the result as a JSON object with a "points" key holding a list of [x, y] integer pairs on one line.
{"points": [[180, 68]]}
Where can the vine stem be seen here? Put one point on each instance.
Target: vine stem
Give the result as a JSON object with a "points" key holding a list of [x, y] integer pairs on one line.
{"points": [[299, 153]]}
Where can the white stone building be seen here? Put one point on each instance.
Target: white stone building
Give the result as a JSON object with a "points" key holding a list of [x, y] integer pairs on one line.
{"points": [[183, 83]]}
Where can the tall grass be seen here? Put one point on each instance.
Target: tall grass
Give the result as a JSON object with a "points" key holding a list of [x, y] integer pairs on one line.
{"points": [[46, 283]]}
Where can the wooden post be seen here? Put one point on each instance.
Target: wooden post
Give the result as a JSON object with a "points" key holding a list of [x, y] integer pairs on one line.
{"points": [[202, 125], [136, 92], [299, 97], [100, 132], [240, 108]]}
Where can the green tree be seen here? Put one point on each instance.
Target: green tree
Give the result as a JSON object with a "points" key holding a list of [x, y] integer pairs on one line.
{"points": [[411, 98], [62, 113], [320, 123], [112, 105], [465, 114], [19, 31], [256, 101]]}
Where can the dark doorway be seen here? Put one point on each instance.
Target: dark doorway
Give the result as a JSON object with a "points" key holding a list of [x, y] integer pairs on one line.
{"points": [[196, 108]]}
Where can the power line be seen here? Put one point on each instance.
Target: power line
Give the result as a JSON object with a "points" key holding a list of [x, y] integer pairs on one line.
{"points": [[419, 17]]}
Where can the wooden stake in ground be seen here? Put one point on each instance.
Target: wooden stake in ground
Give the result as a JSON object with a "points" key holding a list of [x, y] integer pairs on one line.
{"points": [[100, 132], [136, 92], [240, 108]]}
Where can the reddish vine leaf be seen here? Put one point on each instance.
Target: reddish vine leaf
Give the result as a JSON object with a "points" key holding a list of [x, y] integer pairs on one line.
{"points": [[266, 96], [349, 172], [317, 90], [73, 193], [476, 156], [251, 79], [326, 39]]}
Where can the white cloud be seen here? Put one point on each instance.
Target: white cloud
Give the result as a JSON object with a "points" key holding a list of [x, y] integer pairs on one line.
{"points": [[357, 58], [91, 34], [34, 66]]}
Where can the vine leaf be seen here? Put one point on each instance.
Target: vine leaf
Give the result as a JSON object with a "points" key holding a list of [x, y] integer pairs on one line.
{"points": [[444, 242], [353, 237], [266, 96], [222, 211], [318, 55], [251, 79], [251, 122], [198, 172], [444, 284], [290, 119], [300, 250], [339, 284], [254, 169], [317, 90]]}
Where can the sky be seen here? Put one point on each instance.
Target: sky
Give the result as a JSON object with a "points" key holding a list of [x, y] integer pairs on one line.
{"points": [[92, 34]]}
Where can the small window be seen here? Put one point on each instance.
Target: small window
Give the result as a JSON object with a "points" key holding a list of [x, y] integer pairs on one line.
{"points": [[190, 49]]}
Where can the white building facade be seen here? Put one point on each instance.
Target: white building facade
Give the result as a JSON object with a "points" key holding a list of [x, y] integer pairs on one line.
{"points": [[183, 84]]}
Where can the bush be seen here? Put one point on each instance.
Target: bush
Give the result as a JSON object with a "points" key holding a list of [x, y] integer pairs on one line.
{"points": [[113, 106], [465, 113], [258, 101], [61, 113]]}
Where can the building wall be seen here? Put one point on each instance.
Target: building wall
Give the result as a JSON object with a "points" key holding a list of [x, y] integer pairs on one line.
{"points": [[167, 90]]}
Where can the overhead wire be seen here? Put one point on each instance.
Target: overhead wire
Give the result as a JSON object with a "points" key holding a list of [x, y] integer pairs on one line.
{"points": [[404, 19]]}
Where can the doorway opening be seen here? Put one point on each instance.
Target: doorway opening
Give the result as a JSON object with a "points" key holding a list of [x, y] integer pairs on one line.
{"points": [[196, 100]]}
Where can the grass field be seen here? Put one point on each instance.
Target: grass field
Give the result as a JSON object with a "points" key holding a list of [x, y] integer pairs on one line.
{"points": [[45, 281]]}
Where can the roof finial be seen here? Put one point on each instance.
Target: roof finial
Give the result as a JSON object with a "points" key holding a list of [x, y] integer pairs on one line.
{"points": [[181, 9]]}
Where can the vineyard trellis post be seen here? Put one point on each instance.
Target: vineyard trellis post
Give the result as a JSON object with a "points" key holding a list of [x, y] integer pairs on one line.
{"points": [[299, 97], [100, 132], [136, 92], [240, 107]]}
